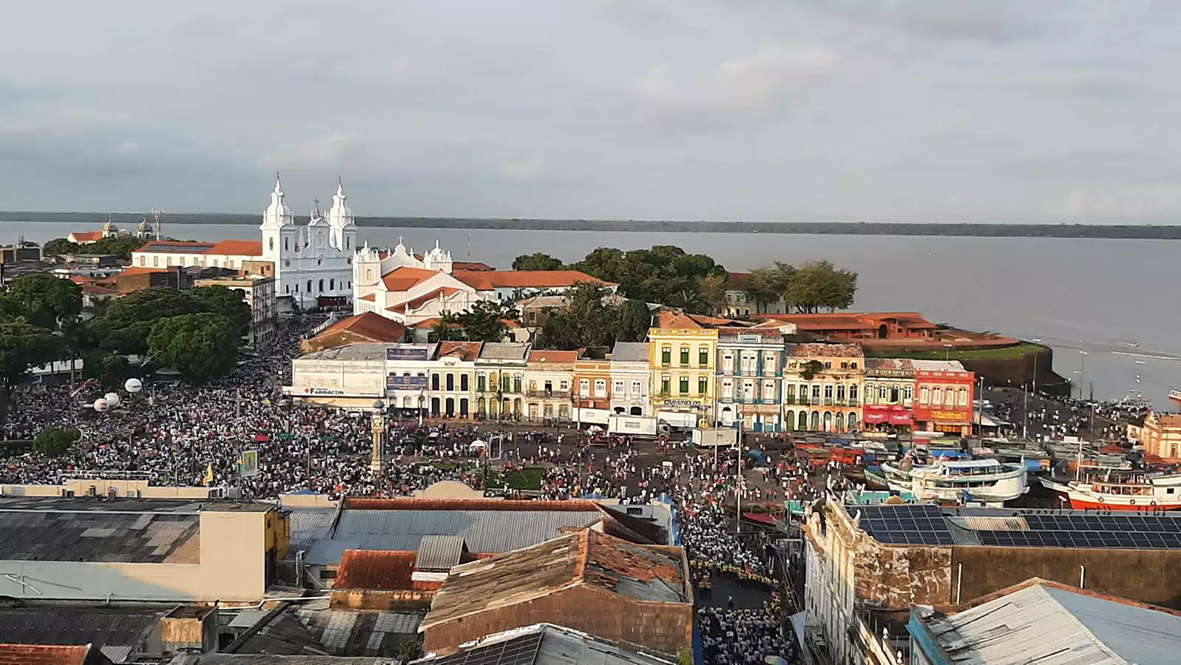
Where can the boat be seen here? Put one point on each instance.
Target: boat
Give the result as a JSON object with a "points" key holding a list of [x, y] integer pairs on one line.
{"points": [[986, 481], [1120, 491]]}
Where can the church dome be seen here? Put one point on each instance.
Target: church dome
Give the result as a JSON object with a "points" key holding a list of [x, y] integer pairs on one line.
{"points": [[109, 227], [144, 227], [340, 215], [277, 214]]}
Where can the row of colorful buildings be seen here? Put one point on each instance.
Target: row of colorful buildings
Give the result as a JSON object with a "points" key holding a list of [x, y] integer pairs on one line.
{"points": [[693, 371]]}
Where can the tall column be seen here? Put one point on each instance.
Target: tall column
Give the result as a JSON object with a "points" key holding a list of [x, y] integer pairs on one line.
{"points": [[377, 465]]}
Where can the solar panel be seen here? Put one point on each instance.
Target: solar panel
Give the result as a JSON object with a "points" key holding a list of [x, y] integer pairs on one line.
{"points": [[517, 651], [909, 524]]}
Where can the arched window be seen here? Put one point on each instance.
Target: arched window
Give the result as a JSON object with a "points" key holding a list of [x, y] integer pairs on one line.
{"points": [[369, 274], [309, 286], [869, 393], [840, 422], [348, 243], [434, 381], [963, 397], [828, 421], [908, 393], [937, 397], [852, 422], [883, 393], [271, 244], [286, 244], [286, 288], [155, 261], [332, 285], [894, 394], [924, 395], [321, 289], [815, 424], [802, 421]]}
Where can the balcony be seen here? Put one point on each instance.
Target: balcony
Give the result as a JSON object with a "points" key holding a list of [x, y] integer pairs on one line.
{"points": [[828, 401], [852, 401], [548, 394], [790, 399]]}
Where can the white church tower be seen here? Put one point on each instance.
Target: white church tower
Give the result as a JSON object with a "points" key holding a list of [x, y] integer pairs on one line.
{"points": [[340, 218], [279, 234]]}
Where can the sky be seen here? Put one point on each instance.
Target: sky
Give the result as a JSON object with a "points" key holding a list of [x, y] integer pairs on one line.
{"points": [[759, 110]]}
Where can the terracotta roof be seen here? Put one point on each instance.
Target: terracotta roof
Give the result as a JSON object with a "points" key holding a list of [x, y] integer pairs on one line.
{"points": [[369, 325], [96, 290], [711, 320], [376, 570], [464, 350], [407, 503], [486, 280], [737, 280], [368, 297], [237, 248], [850, 320], [415, 303], [587, 558], [675, 320], [1168, 419], [87, 236], [471, 266], [819, 350], [176, 246], [550, 356], [45, 654], [405, 277]]}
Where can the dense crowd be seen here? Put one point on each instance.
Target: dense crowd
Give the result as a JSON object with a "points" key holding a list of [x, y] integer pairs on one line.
{"points": [[743, 636]]}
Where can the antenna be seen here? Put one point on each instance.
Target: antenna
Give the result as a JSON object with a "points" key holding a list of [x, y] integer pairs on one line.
{"points": [[156, 213], [469, 247]]}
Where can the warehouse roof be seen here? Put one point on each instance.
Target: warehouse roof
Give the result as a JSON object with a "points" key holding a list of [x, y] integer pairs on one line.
{"points": [[586, 558], [116, 631], [1050, 623], [542, 644], [99, 537]]}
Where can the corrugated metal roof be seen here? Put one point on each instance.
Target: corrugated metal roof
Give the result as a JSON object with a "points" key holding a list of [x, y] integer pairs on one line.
{"points": [[484, 531], [439, 552], [309, 525], [1053, 626], [981, 523], [73, 625], [96, 536], [543, 644], [630, 352]]}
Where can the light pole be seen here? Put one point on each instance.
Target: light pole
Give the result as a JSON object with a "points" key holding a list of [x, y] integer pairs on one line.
{"points": [[1082, 373], [377, 423]]}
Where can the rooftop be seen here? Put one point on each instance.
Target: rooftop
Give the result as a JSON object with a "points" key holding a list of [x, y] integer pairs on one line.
{"points": [[175, 247], [117, 631], [630, 352], [302, 629], [551, 356], [375, 569], [1050, 623], [350, 352], [926, 524], [504, 351], [237, 248], [542, 644], [461, 350], [586, 558], [851, 320], [405, 277], [937, 366], [821, 350], [24, 654], [370, 325], [485, 280]]}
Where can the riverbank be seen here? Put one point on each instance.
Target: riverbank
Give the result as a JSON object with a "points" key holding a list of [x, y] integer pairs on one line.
{"points": [[1109, 231]]}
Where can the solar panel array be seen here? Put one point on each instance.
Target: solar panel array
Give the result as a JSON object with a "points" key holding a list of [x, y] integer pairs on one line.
{"points": [[517, 651], [911, 524], [1146, 532]]}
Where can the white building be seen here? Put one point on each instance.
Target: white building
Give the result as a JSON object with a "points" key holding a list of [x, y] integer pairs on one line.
{"points": [[312, 265], [410, 288], [631, 379]]}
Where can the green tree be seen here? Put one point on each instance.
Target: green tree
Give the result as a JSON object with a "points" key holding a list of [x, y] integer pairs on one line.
{"points": [[200, 346], [811, 369], [22, 346], [126, 324], [593, 317], [484, 322], [57, 247], [229, 303], [53, 442], [447, 329], [121, 246], [537, 261], [109, 369], [47, 301], [765, 286], [818, 285], [408, 651], [664, 274]]}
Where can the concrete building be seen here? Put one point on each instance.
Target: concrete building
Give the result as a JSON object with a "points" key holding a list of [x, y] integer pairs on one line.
{"points": [[859, 326], [1048, 623], [352, 376], [548, 378], [739, 305], [635, 595], [139, 549], [1161, 435], [453, 379], [867, 565], [750, 378], [945, 392], [592, 386], [631, 379], [259, 295], [682, 355], [822, 387], [889, 394], [545, 644], [408, 369], [18, 253], [500, 379]]}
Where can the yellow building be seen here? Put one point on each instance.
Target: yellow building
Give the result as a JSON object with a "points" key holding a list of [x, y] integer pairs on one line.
{"points": [[822, 385], [1161, 435], [681, 354]]}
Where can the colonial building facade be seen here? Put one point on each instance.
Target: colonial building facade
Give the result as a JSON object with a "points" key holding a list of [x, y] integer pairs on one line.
{"points": [[682, 355], [822, 387], [749, 378]]}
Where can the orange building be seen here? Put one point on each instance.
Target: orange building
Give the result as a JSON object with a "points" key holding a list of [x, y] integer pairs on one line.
{"points": [[859, 325], [592, 386], [1161, 435]]}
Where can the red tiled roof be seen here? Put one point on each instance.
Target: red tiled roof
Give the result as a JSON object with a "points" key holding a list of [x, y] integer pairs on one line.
{"points": [[675, 320], [405, 277], [369, 325], [485, 280], [45, 654], [376, 570], [188, 246], [465, 350], [819, 350], [849, 320], [474, 266], [549, 356], [415, 303], [737, 280], [96, 290], [87, 236], [237, 248], [571, 505]]}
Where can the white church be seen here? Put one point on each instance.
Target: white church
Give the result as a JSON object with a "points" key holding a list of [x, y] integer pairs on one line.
{"points": [[312, 264]]}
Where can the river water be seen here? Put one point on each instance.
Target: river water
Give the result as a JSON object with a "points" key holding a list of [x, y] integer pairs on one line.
{"points": [[1116, 300]]}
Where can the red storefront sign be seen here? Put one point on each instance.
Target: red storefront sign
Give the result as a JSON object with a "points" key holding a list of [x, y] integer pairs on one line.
{"points": [[944, 396], [893, 414]]}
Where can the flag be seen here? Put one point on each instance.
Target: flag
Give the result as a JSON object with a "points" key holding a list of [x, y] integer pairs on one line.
{"points": [[208, 480]]}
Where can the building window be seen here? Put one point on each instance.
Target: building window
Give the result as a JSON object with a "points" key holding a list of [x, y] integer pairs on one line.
{"points": [[505, 383], [332, 285], [463, 382], [869, 393], [309, 284], [684, 385], [852, 366], [840, 393], [450, 382], [664, 385], [828, 394], [816, 392], [684, 356], [894, 393], [666, 356], [516, 384], [636, 392], [908, 393], [727, 389], [853, 391], [703, 356], [286, 244], [883, 393], [924, 395], [618, 388], [584, 387], [827, 364], [963, 397], [702, 385], [845, 365], [728, 361], [769, 390], [434, 381], [600, 387], [480, 383], [937, 397]]}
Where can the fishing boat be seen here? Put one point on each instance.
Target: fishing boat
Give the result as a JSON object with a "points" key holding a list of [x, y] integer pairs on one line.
{"points": [[1120, 491], [986, 481]]}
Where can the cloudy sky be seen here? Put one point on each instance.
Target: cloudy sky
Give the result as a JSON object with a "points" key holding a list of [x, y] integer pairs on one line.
{"points": [[776, 110]]}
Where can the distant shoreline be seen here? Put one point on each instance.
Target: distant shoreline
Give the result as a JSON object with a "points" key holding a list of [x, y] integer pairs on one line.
{"points": [[88, 220]]}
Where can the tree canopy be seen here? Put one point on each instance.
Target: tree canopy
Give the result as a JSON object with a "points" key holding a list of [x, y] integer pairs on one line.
{"points": [[53, 441], [537, 261], [199, 346], [664, 274], [819, 285], [121, 246], [485, 321], [592, 318]]}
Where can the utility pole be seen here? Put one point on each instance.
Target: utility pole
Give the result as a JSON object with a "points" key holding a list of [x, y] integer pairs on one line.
{"points": [[738, 482], [980, 408]]}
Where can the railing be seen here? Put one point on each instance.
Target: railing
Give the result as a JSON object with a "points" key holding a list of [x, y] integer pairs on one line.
{"points": [[828, 401], [789, 399], [803, 401], [549, 394], [852, 401], [1175, 395]]}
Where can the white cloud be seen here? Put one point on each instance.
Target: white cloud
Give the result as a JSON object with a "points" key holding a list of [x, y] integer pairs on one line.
{"points": [[525, 169], [1136, 203], [127, 148]]}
